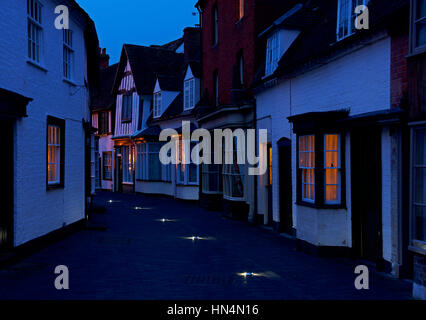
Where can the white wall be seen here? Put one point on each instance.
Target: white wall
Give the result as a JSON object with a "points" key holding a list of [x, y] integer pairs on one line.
{"points": [[38, 211]]}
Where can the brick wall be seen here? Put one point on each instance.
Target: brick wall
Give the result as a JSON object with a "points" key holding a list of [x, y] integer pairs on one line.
{"points": [[399, 76]]}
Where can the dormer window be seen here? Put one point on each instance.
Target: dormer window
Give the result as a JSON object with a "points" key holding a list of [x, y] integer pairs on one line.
{"points": [[189, 97], [272, 53], [157, 104], [346, 17]]}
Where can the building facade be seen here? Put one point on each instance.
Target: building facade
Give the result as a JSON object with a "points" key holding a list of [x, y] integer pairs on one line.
{"points": [[51, 71]]}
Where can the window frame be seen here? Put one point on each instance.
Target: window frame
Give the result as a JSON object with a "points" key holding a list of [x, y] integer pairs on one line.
{"points": [[35, 24], [129, 163], [350, 23], [104, 166], [68, 54], [143, 172], [416, 245], [273, 44], [186, 167], [101, 127], [320, 179], [413, 32], [189, 94], [227, 174], [60, 123], [126, 116], [339, 178], [157, 104]]}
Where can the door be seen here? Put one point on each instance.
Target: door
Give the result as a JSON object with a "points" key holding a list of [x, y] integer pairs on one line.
{"points": [[6, 186], [118, 171], [366, 176], [285, 187]]}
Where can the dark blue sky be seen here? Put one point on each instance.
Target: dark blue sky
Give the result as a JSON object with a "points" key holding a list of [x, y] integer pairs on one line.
{"points": [[142, 22]]}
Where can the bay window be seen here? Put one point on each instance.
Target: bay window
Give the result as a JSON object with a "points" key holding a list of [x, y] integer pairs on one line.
{"points": [[149, 166], [233, 175], [211, 178], [319, 169], [187, 172], [418, 194], [418, 24]]}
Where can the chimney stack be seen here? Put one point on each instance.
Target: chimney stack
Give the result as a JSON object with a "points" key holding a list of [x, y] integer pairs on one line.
{"points": [[103, 59]]}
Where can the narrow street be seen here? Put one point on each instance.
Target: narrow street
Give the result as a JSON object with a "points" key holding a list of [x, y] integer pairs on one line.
{"points": [[140, 257]]}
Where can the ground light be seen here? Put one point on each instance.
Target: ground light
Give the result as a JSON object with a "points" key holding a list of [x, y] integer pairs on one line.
{"points": [[141, 208], [164, 220], [112, 201], [266, 274], [196, 238]]}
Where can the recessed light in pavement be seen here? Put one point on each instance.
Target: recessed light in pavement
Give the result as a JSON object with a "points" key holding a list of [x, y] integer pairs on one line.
{"points": [[141, 208], [164, 220], [196, 238]]}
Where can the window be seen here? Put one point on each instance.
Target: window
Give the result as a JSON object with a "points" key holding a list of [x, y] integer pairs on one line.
{"points": [[216, 87], [103, 123], [127, 156], [211, 178], [240, 9], [418, 195], [126, 110], [149, 166], [189, 90], [272, 53], [157, 104], [107, 165], [215, 26], [240, 62], [418, 18], [332, 168], [35, 30], [307, 167], [68, 54], [187, 172], [55, 152], [269, 165], [319, 174], [346, 17], [233, 176]]}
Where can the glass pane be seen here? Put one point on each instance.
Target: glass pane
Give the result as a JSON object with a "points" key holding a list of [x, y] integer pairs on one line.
{"points": [[331, 193], [237, 186], [420, 147], [154, 167], [331, 142], [421, 9], [193, 173], [332, 159], [420, 185], [420, 33], [420, 223], [332, 176]]}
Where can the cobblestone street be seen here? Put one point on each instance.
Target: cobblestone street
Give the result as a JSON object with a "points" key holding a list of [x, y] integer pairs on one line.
{"points": [[139, 256]]}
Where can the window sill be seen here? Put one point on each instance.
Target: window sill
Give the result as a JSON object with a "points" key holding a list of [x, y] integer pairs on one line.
{"points": [[54, 186], [418, 247], [36, 64], [320, 206], [416, 52], [234, 199], [70, 82], [127, 183]]}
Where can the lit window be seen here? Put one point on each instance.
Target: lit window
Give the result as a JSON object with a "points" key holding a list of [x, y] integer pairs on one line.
{"points": [[418, 23], [68, 54], [35, 30], [332, 168], [53, 154], [240, 9], [189, 90], [346, 17], [272, 53], [127, 156], [157, 104], [107, 165], [418, 196], [307, 166], [126, 109]]}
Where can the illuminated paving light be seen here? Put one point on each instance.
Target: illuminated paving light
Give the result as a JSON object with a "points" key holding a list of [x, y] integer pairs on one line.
{"points": [[248, 274], [141, 208], [164, 220], [195, 238], [112, 201], [267, 274]]}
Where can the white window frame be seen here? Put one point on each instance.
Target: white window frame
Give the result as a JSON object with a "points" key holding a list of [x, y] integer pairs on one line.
{"points": [[208, 174], [56, 145], [68, 54], [350, 16], [228, 174], [302, 183], [107, 164], [413, 35], [416, 244], [157, 104], [35, 31], [189, 94], [338, 167], [272, 53], [182, 154], [143, 173]]}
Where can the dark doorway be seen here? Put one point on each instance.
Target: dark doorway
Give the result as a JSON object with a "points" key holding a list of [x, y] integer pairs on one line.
{"points": [[119, 173], [366, 177], [6, 186], [285, 178]]}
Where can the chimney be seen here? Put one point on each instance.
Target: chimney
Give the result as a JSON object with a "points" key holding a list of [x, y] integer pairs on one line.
{"points": [[103, 59], [192, 44]]}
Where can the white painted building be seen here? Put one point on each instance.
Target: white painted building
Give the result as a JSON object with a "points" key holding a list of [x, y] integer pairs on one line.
{"points": [[45, 153], [326, 103]]}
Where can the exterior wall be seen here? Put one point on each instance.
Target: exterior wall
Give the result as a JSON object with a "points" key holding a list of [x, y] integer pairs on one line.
{"points": [[359, 81], [47, 210], [151, 187]]}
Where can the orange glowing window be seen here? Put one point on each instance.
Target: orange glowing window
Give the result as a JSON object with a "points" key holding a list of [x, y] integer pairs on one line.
{"points": [[332, 168], [270, 165], [307, 166], [53, 155]]}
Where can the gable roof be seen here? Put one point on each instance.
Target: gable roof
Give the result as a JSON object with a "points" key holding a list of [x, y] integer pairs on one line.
{"points": [[195, 68], [317, 21], [170, 83], [146, 63], [105, 100]]}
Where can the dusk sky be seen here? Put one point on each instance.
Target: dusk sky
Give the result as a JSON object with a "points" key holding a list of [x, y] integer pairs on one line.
{"points": [[139, 22]]}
